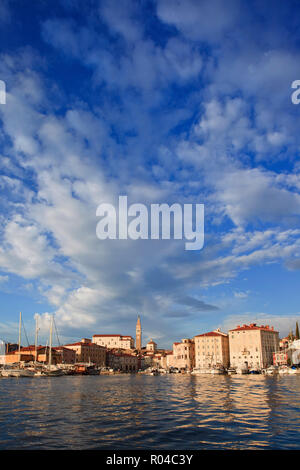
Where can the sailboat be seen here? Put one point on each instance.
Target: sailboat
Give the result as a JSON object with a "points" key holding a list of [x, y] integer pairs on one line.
{"points": [[52, 370], [18, 371]]}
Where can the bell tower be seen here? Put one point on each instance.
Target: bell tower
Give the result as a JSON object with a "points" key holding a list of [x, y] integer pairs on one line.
{"points": [[138, 334]]}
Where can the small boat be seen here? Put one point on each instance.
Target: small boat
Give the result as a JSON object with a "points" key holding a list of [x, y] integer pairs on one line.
{"points": [[292, 370], [283, 370], [17, 372], [53, 372], [151, 371], [86, 369], [271, 370], [241, 371], [254, 371], [217, 370], [200, 371], [231, 371]]}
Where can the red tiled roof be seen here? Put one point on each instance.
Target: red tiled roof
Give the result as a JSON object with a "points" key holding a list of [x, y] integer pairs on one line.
{"points": [[30, 348], [211, 333], [254, 326], [80, 343], [99, 336], [119, 336]]}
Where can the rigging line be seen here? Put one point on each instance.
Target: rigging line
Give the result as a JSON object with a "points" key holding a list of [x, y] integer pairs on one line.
{"points": [[25, 332], [56, 331]]}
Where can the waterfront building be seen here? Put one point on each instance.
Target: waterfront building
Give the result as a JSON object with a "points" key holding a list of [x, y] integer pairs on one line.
{"points": [[138, 334], [170, 360], [151, 346], [284, 342], [31, 354], [16, 356], [66, 355], [87, 351], [114, 341], [115, 359], [280, 358], [183, 356], [294, 352], [146, 361], [211, 350], [6, 348], [253, 346], [159, 359]]}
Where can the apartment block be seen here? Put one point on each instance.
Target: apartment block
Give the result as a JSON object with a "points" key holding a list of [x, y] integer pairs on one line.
{"points": [[253, 346], [86, 351], [183, 356], [114, 341], [211, 350], [122, 361]]}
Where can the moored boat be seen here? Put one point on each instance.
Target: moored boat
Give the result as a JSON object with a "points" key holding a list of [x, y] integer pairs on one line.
{"points": [[283, 370], [17, 372], [271, 370], [254, 371], [217, 370], [200, 371]]}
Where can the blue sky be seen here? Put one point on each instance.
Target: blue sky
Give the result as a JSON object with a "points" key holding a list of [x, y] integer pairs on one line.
{"points": [[163, 101]]}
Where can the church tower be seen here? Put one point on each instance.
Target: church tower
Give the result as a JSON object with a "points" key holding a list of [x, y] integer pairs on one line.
{"points": [[138, 334]]}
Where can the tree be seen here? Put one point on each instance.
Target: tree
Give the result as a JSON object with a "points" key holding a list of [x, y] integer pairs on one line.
{"points": [[297, 331]]}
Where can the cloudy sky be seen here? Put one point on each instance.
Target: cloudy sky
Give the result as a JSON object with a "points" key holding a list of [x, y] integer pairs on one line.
{"points": [[164, 101]]}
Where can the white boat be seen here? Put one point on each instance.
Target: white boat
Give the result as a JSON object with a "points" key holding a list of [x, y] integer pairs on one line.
{"points": [[241, 371], [217, 370], [271, 370], [231, 371], [53, 372], [17, 372], [292, 371], [283, 370], [200, 371]]}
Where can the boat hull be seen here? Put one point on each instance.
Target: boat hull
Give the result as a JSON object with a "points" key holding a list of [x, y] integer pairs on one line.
{"points": [[17, 373]]}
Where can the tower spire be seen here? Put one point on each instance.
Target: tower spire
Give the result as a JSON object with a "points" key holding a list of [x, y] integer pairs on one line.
{"points": [[138, 334]]}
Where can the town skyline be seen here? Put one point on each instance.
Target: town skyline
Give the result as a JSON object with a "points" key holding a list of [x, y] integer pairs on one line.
{"points": [[138, 336], [247, 348]]}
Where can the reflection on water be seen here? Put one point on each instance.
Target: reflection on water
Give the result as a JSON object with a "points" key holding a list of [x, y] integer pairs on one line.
{"points": [[139, 412]]}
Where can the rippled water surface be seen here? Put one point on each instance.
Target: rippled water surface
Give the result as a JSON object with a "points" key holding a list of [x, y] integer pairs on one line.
{"points": [[154, 412]]}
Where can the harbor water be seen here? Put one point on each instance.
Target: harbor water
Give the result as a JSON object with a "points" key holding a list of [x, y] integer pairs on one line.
{"points": [[150, 412]]}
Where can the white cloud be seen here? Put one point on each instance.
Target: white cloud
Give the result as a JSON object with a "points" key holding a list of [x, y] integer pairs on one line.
{"points": [[202, 20]]}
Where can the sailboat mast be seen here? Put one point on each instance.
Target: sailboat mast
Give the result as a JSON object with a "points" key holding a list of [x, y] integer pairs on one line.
{"points": [[36, 338], [20, 329], [50, 342]]}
